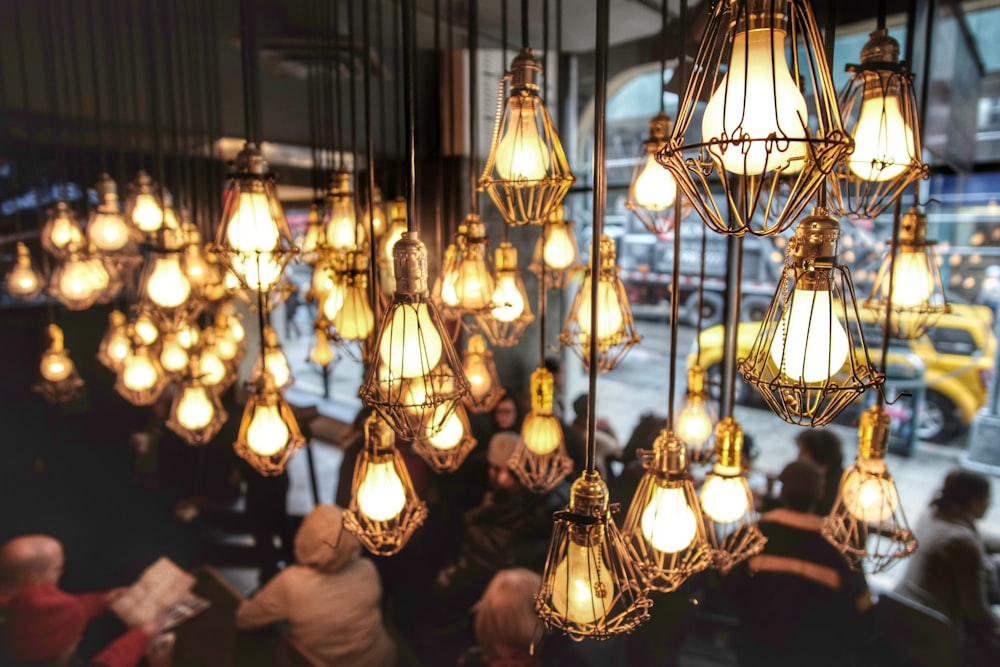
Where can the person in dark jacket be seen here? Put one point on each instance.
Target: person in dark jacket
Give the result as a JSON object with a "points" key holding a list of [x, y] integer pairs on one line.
{"points": [[822, 447]]}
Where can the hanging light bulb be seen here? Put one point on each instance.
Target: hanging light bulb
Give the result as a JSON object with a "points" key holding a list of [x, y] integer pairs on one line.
{"points": [[354, 320], [196, 413], [253, 239], [761, 140], [173, 357], [485, 390], [213, 370], [474, 284], [331, 300], [143, 207], [74, 283], [653, 190], [918, 297], [165, 283], [616, 331], [589, 587], [22, 281], [340, 223], [557, 251], [726, 501], [664, 522], [202, 276], [384, 510], [141, 379], [526, 173], [697, 419], [540, 460], [313, 239], [61, 233], [188, 335], [511, 313], [444, 293], [269, 433], [447, 438], [867, 522], [106, 229], [114, 346], [809, 360], [411, 344], [145, 329], [59, 381], [322, 351], [377, 219], [274, 360]]}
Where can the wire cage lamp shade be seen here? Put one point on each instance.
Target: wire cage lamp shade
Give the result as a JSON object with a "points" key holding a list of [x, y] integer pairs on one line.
{"points": [[652, 190], [59, 382], [23, 281], [526, 173], [867, 522], [415, 378], [196, 414], [557, 252], [590, 586], [342, 231], [61, 232], [664, 523], [472, 280], [727, 503], [698, 418], [616, 331], [269, 433], [114, 345], [271, 360], [878, 107], [144, 208], [446, 450], [141, 379], [79, 280], [485, 390], [540, 460], [809, 360], [384, 511], [253, 240], [770, 132], [511, 312], [107, 230], [918, 298]]}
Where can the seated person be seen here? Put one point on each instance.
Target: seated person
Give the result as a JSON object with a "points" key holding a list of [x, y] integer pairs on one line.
{"points": [[44, 626], [800, 603], [949, 571], [330, 598], [506, 624]]}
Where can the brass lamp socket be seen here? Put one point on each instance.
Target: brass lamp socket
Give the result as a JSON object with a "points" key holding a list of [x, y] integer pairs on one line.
{"points": [[250, 161], [659, 129], [506, 257], [880, 48], [542, 391], [475, 229], [760, 15], [56, 335], [524, 72], [729, 444], [913, 230], [558, 215], [696, 380], [477, 344], [670, 453], [270, 337], [608, 258], [409, 258], [873, 433], [379, 436], [589, 495], [107, 190], [340, 183], [142, 184]]}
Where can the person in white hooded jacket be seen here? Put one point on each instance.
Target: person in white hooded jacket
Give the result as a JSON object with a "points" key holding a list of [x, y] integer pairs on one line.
{"points": [[330, 598]]}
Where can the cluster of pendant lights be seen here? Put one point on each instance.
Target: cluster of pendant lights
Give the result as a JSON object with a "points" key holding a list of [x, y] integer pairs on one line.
{"points": [[770, 148]]}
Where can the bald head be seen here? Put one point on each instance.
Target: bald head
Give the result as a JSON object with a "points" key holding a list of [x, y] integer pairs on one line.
{"points": [[31, 558]]}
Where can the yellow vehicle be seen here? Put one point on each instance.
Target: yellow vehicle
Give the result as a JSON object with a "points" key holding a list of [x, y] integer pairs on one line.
{"points": [[958, 352]]}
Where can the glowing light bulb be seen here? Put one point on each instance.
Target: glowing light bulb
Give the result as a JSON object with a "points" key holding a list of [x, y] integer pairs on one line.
{"points": [[277, 365], [252, 228], [668, 522], [869, 497], [342, 230], [167, 286], [139, 373], [107, 231], [173, 357], [449, 432], [582, 589], [188, 336], [724, 497], [146, 329], [236, 331], [381, 496], [118, 347], [225, 347], [542, 434], [75, 281], [259, 272], [213, 371], [22, 280], [98, 275], [479, 376], [449, 289], [322, 352], [758, 100], [268, 433], [411, 345], [354, 320], [333, 300], [474, 285], [883, 142], [654, 188], [396, 231], [810, 344], [56, 365], [522, 154], [694, 423], [610, 321], [64, 232], [558, 251], [146, 213], [194, 409], [912, 280], [508, 297]]}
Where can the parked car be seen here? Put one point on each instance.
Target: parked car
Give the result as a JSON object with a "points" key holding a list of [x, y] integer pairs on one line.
{"points": [[958, 351]]}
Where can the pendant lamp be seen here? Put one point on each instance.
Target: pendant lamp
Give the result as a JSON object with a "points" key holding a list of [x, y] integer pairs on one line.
{"points": [[269, 433], [58, 382], [61, 234], [652, 191], [697, 418], [485, 390], [114, 346], [196, 414], [107, 230], [557, 252], [22, 281], [511, 312], [540, 460]]}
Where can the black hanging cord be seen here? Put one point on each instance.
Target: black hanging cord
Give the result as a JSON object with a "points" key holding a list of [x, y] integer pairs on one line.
{"points": [[370, 150], [473, 105], [248, 53], [524, 24], [880, 17], [409, 54], [350, 98], [682, 17], [338, 86], [600, 201], [154, 102], [663, 63], [71, 51], [675, 296], [440, 195], [95, 75], [399, 92], [503, 32], [383, 96]]}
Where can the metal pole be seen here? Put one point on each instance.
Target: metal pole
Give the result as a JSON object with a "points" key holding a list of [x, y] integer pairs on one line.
{"points": [[734, 278]]}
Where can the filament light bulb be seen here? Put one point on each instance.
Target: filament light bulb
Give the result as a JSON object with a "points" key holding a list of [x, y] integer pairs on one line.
{"points": [[147, 214], [668, 522], [381, 496], [107, 231], [582, 589], [168, 286], [654, 188], [694, 423], [869, 497], [508, 297], [449, 433], [268, 433], [724, 497], [476, 371], [355, 320], [542, 433], [252, 228], [56, 365], [277, 365], [810, 344], [139, 374], [521, 154], [757, 100], [610, 321], [173, 357], [412, 344], [195, 410], [23, 281], [883, 141], [322, 352], [558, 251], [912, 280]]}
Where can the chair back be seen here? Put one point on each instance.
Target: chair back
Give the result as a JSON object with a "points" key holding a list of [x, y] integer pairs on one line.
{"points": [[917, 634]]}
